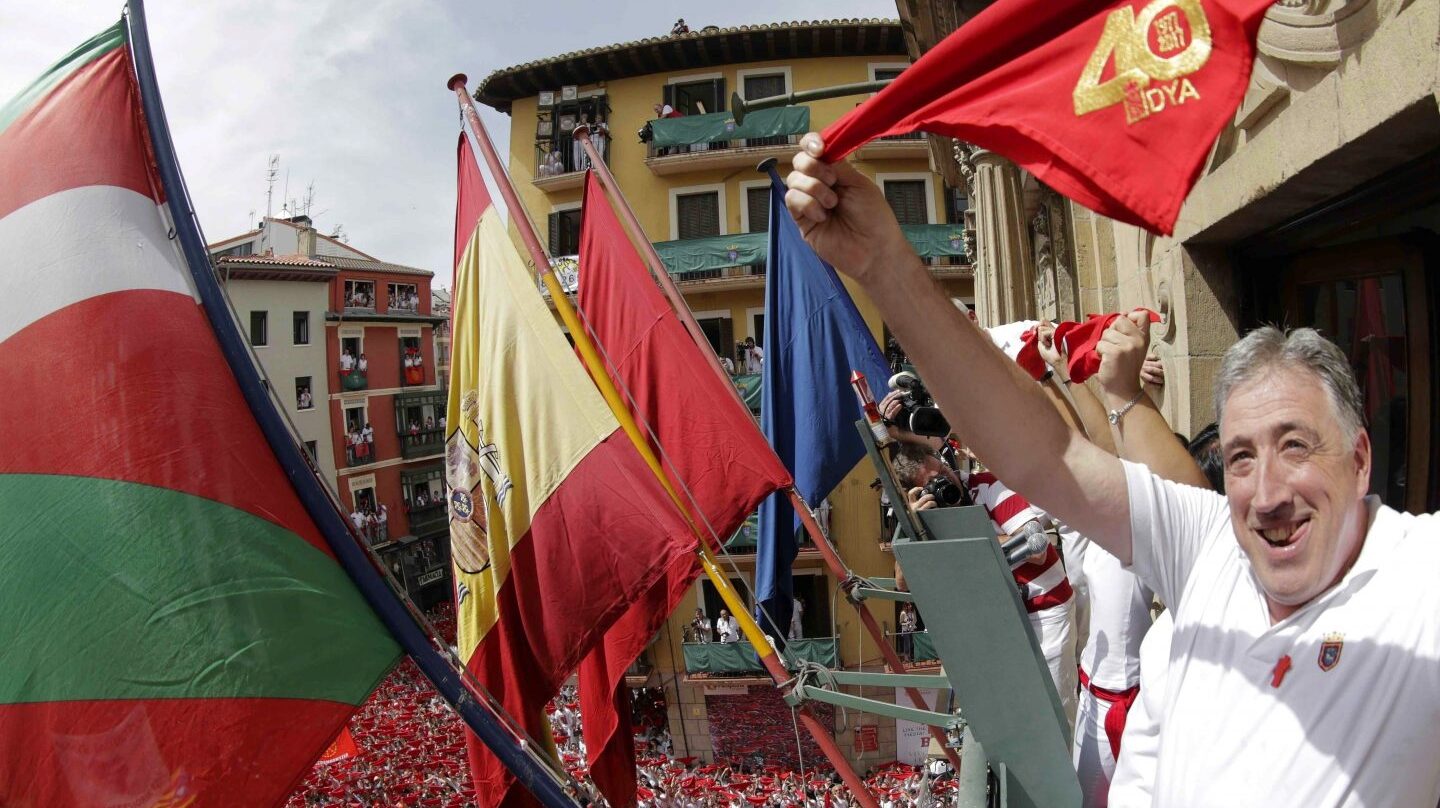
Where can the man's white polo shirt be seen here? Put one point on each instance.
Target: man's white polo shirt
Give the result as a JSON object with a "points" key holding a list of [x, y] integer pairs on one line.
{"points": [[1354, 721]]}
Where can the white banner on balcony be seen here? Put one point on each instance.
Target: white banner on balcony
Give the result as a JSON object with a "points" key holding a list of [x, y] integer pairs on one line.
{"points": [[912, 740]]}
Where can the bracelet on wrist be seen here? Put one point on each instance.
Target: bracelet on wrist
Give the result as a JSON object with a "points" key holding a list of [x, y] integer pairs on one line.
{"points": [[1117, 414]]}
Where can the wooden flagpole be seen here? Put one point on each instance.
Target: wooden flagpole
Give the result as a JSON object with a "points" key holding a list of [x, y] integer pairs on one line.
{"points": [[592, 359], [807, 518]]}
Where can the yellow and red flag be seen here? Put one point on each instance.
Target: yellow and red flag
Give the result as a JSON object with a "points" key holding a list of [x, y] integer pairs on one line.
{"points": [[557, 523]]}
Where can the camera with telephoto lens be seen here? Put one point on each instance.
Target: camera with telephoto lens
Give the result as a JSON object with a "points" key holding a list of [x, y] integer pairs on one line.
{"points": [[946, 493], [918, 412]]}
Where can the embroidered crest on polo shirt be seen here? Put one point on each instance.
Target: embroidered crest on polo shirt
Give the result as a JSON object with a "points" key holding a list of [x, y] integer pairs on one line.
{"points": [[1330, 651]]}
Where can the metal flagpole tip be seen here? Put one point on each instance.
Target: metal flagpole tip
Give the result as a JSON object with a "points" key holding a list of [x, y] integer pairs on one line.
{"points": [[457, 80], [766, 164]]}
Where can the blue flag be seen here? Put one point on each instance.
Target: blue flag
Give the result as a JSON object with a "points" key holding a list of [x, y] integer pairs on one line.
{"points": [[814, 339]]}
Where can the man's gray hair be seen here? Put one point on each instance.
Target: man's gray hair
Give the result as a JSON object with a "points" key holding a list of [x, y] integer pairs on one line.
{"points": [[1268, 348]]}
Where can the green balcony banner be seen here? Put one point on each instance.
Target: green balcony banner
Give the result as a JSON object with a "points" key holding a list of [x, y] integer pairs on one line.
{"points": [[685, 256], [692, 129], [739, 657]]}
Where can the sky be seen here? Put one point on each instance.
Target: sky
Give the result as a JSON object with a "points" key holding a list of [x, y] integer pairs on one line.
{"points": [[350, 95]]}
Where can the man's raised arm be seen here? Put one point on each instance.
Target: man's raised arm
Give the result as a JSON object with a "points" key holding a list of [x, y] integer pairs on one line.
{"points": [[1003, 415]]}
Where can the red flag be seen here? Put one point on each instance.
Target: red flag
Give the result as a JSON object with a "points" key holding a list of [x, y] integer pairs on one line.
{"points": [[342, 747], [1114, 104], [710, 444], [1077, 341]]}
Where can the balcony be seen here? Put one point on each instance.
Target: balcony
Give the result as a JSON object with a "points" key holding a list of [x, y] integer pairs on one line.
{"points": [[715, 141], [428, 520], [568, 170], [738, 659], [738, 260], [422, 443], [912, 146], [352, 380], [376, 534], [916, 648], [412, 371], [359, 454]]}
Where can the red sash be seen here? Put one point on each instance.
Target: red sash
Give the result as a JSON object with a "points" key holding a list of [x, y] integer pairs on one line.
{"points": [[1119, 701]]}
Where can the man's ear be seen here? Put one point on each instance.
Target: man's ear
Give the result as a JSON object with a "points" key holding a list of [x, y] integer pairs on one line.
{"points": [[1363, 459]]}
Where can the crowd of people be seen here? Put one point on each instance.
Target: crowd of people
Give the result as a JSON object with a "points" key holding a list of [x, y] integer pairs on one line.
{"points": [[350, 363], [359, 442], [371, 522], [410, 751]]}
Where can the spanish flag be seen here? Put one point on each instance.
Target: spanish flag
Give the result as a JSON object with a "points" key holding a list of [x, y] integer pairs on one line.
{"points": [[556, 522]]}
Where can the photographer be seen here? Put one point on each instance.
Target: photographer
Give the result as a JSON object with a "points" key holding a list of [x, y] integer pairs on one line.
{"points": [[932, 483]]}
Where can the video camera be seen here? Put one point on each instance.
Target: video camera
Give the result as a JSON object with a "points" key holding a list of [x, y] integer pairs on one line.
{"points": [[918, 412]]}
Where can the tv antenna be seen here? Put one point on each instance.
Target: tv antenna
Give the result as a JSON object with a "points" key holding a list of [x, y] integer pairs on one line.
{"points": [[272, 171]]}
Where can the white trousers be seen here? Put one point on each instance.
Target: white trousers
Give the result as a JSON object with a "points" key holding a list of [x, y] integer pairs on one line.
{"points": [[1054, 629], [1094, 763]]}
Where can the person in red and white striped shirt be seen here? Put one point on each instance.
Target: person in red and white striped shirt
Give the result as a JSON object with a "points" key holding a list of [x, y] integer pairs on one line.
{"points": [[1045, 587]]}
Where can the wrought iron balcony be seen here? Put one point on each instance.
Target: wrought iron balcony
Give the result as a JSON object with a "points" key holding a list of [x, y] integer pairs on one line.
{"points": [[429, 520], [360, 453]]}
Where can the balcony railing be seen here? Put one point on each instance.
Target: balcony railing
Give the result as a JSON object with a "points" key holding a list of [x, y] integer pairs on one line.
{"points": [[915, 646], [570, 156], [421, 443], [653, 151], [429, 519], [375, 534], [739, 659], [351, 380], [358, 454]]}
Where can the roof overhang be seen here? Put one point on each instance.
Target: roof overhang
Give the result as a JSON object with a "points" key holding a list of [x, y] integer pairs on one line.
{"points": [[708, 47]]}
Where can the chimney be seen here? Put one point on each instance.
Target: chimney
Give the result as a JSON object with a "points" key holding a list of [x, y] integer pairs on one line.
{"points": [[306, 237]]}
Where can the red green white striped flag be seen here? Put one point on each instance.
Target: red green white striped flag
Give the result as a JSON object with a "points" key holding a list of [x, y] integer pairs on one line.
{"points": [[173, 627]]}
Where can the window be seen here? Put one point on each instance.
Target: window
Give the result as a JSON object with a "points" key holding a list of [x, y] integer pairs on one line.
{"points": [[311, 450], [239, 250], [404, 297], [907, 199], [359, 294], [757, 207], [698, 215], [303, 398], [887, 73], [764, 86], [302, 328], [697, 97], [565, 232], [258, 335], [718, 331], [956, 203]]}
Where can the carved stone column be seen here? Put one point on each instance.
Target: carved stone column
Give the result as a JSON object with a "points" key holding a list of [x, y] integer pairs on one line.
{"points": [[1005, 264], [1057, 289]]}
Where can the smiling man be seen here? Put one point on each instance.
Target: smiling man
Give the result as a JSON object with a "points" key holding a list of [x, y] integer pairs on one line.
{"points": [[1305, 663]]}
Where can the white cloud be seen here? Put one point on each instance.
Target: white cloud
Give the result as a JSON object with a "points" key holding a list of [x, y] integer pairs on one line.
{"points": [[350, 94]]}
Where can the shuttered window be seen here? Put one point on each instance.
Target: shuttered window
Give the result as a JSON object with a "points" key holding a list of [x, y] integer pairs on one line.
{"points": [[697, 215], [757, 203], [907, 199], [565, 232]]}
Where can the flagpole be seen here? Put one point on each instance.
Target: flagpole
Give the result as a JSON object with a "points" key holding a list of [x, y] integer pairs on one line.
{"points": [[474, 706], [592, 360], [822, 543]]}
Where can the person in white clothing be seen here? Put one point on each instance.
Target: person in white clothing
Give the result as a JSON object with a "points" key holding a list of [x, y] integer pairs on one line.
{"points": [[796, 628], [1132, 785], [728, 627], [1305, 662], [754, 356]]}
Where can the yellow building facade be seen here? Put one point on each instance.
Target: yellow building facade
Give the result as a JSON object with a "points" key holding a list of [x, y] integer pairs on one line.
{"points": [[707, 199]]}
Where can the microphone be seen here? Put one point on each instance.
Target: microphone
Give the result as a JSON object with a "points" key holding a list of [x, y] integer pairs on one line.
{"points": [[1029, 541]]}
